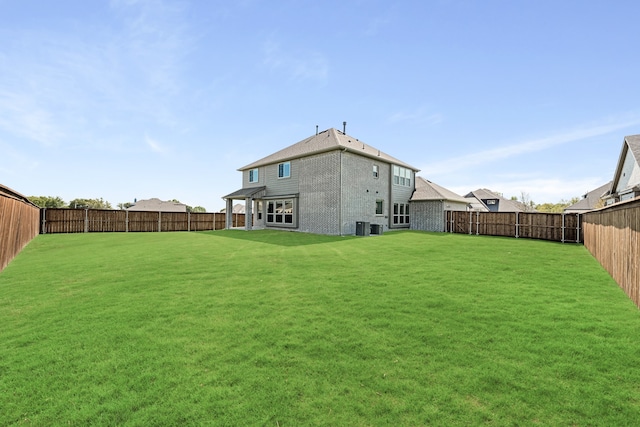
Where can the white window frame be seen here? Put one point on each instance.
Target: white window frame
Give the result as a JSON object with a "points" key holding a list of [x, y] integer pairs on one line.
{"points": [[254, 175], [284, 170], [376, 171], [281, 212], [401, 176], [401, 216]]}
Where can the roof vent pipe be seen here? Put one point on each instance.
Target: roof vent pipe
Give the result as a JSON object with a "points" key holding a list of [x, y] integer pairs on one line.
{"points": [[344, 128], [316, 129]]}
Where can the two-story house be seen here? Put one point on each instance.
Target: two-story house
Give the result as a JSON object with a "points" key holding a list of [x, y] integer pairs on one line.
{"points": [[626, 179], [326, 184]]}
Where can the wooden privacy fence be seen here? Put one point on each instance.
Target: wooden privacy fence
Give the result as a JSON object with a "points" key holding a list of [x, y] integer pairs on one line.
{"points": [[532, 225], [612, 235], [18, 224], [102, 220]]}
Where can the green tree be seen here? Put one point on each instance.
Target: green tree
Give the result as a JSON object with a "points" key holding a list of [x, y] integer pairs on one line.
{"points": [[197, 209], [47, 201], [556, 207], [90, 204], [123, 206]]}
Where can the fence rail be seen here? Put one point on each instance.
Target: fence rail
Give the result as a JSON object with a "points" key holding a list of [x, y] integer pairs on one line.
{"points": [[18, 224], [612, 235], [532, 225], [100, 220]]}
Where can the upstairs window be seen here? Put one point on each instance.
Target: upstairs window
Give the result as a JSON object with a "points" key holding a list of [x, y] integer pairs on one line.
{"points": [[253, 175], [402, 176], [375, 171], [284, 170]]}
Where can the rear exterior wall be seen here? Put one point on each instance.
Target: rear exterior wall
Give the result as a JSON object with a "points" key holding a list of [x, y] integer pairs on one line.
{"points": [[361, 189]]}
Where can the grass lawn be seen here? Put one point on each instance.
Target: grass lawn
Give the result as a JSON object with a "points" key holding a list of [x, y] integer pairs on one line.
{"points": [[288, 329]]}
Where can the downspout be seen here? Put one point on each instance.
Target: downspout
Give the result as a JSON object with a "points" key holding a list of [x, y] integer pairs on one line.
{"points": [[341, 228]]}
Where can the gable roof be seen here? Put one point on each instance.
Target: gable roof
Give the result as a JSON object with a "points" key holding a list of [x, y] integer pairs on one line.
{"points": [[505, 205], [328, 140], [157, 205], [590, 200], [630, 143], [427, 190]]}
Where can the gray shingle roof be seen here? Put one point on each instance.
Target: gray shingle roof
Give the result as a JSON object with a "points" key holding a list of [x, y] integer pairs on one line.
{"points": [[505, 205], [157, 205], [634, 145], [590, 200], [427, 190], [243, 193], [328, 140]]}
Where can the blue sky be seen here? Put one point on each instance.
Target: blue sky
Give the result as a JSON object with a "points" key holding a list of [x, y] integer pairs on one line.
{"points": [[133, 99]]}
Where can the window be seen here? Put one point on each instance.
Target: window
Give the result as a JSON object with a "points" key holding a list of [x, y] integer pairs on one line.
{"points": [[253, 175], [284, 170], [491, 202], [375, 171], [401, 176], [379, 207], [401, 213], [280, 212]]}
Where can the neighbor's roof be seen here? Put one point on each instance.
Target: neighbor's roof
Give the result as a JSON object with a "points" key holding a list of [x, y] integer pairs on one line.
{"points": [[427, 190], [632, 143], [157, 205], [328, 140], [590, 200], [505, 205]]}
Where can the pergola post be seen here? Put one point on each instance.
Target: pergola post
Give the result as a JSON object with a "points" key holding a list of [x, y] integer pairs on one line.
{"points": [[228, 215], [248, 213]]}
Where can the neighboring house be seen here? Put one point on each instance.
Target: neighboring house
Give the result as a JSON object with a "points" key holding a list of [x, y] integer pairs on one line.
{"points": [[488, 201], [429, 203], [626, 179], [590, 201], [326, 184], [238, 208], [157, 205]]}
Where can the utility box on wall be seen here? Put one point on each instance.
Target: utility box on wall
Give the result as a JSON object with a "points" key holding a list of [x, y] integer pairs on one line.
{"points": [[363, 228]]}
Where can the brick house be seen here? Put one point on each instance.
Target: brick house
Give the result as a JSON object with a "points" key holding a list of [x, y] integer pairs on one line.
{"points": [[329, 183]]}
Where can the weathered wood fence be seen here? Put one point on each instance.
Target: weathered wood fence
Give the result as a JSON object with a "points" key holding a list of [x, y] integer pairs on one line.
{"points": [[531, 225], [102, 220], [612, 235], [18, 224]]}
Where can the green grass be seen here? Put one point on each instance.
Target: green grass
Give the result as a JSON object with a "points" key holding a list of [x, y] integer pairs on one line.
{"points": [[289, 329]]}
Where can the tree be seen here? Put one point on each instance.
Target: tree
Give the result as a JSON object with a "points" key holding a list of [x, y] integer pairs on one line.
{"points": [[198, 209], [556, 207], [123, 206], [90, 204], [47, 201], [526, 201]]}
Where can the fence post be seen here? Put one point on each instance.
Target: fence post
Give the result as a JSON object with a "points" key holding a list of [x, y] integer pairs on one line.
{"points": [[517, 225], [86, 220], [44, 220], [188, 221], [126, 221], [159, 222], [577, 227], [477, 223], [562, 227], [470, 222]]}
